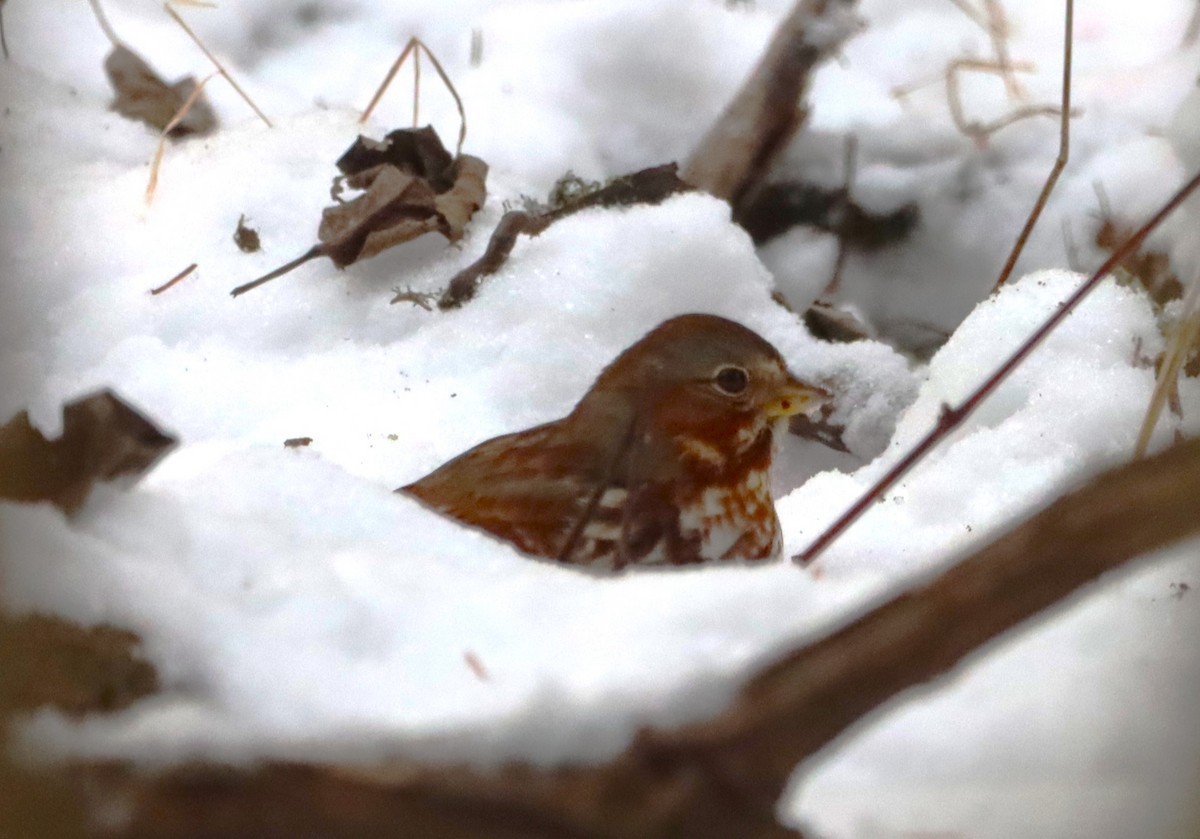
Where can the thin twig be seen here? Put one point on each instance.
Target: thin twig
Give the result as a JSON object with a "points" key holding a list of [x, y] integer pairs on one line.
{"points": [[997, 29], [980, 131], [311, 253], [152, 185], [849, 172], [177, 278], [220, 68], [102, 19], [951, 418], [1064, 148]]}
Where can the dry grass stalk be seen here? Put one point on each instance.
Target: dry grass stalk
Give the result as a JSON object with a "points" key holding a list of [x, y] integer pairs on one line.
{"points": [[220, 68], [1180, 343], [414, 47], [102, 19], [1064, 150], [951, 418], [152, 185], [994, 22], [849, 173]]}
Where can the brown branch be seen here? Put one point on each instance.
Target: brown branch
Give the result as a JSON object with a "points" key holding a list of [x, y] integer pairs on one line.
{"points": [[710, 780], [951, 418], [648, 186], [808, 698], [1064, 148], [736, 153]]}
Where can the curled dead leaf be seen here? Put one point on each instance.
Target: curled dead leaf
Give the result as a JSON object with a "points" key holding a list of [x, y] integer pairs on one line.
{"points": [[103, 439], [410, 185], [142, 95]]}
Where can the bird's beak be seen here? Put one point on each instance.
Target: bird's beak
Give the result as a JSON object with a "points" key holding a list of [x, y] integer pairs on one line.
{"points": [[797, 397]]}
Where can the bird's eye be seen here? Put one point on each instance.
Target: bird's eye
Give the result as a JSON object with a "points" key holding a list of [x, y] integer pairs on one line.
{"points": [[731, 380]]}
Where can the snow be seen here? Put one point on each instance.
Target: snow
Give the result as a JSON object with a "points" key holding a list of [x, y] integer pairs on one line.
{"points": [[296, 607]]}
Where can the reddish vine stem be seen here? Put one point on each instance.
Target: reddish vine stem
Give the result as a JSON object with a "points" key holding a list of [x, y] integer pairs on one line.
{"points": [[951, 418], [1064, 151]]}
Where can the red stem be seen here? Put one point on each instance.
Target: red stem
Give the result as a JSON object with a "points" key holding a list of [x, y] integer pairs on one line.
{"points": [[951, 418]]}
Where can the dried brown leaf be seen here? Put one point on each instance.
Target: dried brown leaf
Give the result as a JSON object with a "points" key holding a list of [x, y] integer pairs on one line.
{"points": [[410, 186], [143, 96], [246, 237], [103, 439], [47, 661]]}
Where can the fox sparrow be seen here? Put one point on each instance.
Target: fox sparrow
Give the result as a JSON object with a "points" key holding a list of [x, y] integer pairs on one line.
{"points": [[664, 459]]}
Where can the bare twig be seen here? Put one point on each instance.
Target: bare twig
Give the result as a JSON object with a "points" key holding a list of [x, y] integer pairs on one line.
{"points": [[220, 68], [993, 21], [1064, 148], [736, 153], [849, 172], [951, 418], [312, 253], [648, 186], [721, 777], [152, 184], [177, 278], [413, 47]]}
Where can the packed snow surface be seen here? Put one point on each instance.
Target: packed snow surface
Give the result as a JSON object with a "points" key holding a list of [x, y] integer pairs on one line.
{"points": [[295, 607]]}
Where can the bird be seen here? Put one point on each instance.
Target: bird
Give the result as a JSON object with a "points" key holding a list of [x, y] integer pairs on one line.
{"points": [[664, 460]]}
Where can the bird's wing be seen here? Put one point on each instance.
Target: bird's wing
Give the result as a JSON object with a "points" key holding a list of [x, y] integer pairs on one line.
{"points": [[530, 488]]}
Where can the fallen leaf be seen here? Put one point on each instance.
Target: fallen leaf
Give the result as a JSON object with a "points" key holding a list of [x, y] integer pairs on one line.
{"points": [[410, 185], [246, 237], [297, 442], [48, 661], [103, 439], [142, 95]]}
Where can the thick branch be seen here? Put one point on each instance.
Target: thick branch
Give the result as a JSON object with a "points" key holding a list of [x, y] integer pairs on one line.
{"points": [[808, 698], [737, 151], [723, 777]]}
